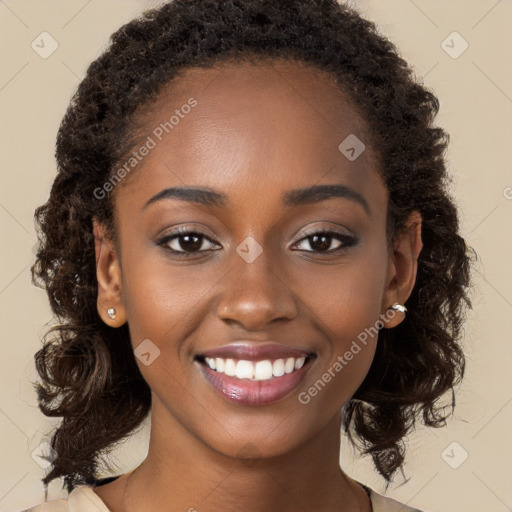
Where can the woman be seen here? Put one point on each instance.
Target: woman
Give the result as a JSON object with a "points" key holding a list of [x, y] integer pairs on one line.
{"points": [[249, 236]]}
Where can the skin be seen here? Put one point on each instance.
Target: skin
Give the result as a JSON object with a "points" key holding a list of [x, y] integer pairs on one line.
{"points": [[257, 132]]}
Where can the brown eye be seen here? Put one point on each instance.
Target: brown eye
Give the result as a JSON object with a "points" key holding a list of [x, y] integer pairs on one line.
{"points": [[192, 242], [185, 242], [326, 242]]}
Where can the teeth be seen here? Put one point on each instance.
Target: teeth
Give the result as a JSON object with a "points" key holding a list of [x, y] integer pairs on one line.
{"points": [[230, 367], [299, 363], [244, 370], [289, 366], [255, 370], [263, 370], [278, 368]]}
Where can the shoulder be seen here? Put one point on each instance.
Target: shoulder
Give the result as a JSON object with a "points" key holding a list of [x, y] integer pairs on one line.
{"points": [[81, 499], [385, 504]]}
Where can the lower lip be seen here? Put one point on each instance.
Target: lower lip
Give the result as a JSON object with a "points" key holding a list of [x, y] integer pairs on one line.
{"points": [[248, 392]]}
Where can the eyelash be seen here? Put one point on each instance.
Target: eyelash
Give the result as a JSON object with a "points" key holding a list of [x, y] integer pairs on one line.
{"points": [[347, 240]]}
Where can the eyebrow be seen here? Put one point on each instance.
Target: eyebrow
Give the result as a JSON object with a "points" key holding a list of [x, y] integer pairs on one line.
{"points": [[317, 193], [297, 197], [197, 195]]}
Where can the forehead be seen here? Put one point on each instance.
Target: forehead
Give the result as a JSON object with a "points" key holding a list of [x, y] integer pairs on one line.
{"points": [[253, 124]]}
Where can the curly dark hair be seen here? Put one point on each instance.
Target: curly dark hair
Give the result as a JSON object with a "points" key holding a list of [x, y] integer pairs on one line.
{"points": [[88, 374]]}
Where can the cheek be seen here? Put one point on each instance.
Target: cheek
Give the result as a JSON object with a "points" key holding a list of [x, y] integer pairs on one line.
{"points": [[345, 304], [163, 304], [347, 298], [161, 297]]}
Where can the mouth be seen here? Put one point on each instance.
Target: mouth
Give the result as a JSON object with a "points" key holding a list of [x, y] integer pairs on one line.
{"points": [[254, 382]]}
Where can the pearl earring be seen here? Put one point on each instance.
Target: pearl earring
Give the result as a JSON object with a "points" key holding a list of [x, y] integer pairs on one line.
{"points": [[111, 312]]}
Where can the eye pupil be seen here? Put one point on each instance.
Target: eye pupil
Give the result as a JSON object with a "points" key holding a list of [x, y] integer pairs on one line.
{"points": [[324, 244], [189, 245]]}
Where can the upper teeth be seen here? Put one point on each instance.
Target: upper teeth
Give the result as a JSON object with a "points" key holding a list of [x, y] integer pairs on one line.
{"points": [[255, 370]]}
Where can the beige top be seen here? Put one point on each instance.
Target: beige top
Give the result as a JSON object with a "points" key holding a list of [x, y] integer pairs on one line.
{"points": [[84, 499]]}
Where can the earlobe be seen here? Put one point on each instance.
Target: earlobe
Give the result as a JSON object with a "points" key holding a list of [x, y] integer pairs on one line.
{"points": [[110, 302], [402, 271]]}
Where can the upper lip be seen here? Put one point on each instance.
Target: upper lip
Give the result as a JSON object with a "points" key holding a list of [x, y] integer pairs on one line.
{"points": [[255, 351]]}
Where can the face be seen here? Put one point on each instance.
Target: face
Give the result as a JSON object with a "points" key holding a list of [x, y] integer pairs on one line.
{"points": [[257, 260]]}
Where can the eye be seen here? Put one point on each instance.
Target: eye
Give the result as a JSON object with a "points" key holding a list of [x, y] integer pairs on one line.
{"points": [[322, 241], [185, 242]]}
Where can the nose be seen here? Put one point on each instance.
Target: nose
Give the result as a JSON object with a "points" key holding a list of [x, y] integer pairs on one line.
{"points": [[255, 294]]}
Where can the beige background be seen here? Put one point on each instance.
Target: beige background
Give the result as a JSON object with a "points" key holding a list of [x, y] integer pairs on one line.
{"points": [[475, 92]]}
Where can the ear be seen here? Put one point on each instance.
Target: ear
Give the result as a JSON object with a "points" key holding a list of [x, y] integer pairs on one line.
{"points": [[108, 275], [402, 269]]}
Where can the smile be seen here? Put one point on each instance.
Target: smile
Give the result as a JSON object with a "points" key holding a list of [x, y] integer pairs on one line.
{"points": [[254, 382]]}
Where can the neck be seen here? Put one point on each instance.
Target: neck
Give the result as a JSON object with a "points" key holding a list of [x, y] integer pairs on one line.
{"points": [[181, 473]]}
